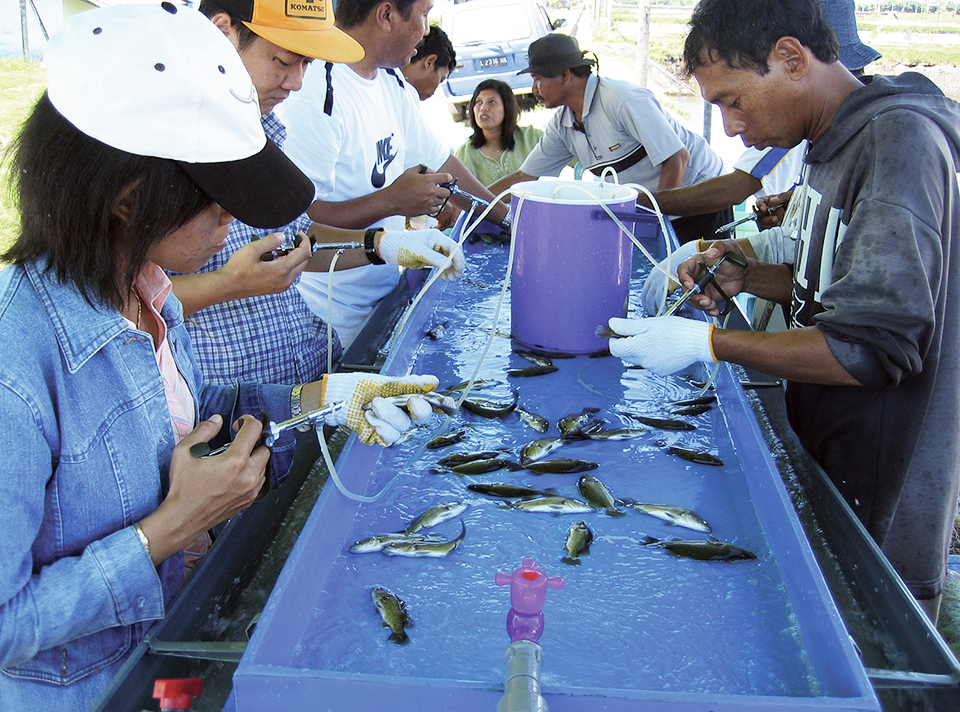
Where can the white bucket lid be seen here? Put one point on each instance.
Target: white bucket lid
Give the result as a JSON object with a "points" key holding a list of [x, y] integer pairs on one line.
{"points": [[573, 192]]}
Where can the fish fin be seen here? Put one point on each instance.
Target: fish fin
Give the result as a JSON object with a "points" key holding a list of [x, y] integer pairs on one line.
{"points": [[616, 513], [649, 541], [570, 560], [513, 466]]}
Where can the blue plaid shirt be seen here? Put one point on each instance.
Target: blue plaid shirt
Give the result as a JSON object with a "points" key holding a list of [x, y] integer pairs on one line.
{"points": [[270, 339]]}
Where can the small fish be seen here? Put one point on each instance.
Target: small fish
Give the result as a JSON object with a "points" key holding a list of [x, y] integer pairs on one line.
{"points": [[617, 434], [462, 386], [531, 371], [605, 332], [537, 422], [555, 354], [701, 457], [597, 494], [439, 402], [661, 423], [480, 467], [539, 449], [691, 410], [534, 358], [491, 408], [702, 400], [447, 439], [672, 514], [436, 515], [420, 549], [571, 425], [560, 466], [578, 542], [378, 541], [460, 458], [553, 504], [435, 333], [393, 611], [505, 489], [701, 549]]}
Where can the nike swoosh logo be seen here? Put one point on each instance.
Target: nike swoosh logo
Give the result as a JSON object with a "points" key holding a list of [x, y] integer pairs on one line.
{"points": [[379, 174], [248, 100]]}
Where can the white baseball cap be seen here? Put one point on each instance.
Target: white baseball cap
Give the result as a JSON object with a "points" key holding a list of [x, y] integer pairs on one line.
{"points": [[161, 80]]}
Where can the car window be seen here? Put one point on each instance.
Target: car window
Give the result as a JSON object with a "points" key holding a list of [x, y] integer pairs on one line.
{"points": [[502, 23]]}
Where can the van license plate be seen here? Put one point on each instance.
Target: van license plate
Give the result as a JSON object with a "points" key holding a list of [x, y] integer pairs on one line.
{"points": [[493, 62]]}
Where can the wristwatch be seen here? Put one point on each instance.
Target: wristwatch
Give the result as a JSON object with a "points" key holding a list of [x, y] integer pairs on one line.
{"points": [[369, 246]]}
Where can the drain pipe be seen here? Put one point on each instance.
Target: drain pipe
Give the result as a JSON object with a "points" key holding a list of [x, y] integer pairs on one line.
{"points": [[528, 588]]}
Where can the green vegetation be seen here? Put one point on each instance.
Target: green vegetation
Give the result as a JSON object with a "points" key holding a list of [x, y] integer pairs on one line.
{"points": [[21, 83]]}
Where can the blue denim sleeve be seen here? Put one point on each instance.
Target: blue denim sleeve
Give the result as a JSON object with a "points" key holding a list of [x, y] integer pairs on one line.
{"points": [[110, 582]]}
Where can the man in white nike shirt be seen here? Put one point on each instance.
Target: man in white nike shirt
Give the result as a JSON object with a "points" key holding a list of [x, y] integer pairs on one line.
{"points": [[364, 145]]}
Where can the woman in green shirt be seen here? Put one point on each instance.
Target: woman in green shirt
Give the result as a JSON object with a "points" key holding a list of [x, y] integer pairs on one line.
{"points": [[497, 146]]}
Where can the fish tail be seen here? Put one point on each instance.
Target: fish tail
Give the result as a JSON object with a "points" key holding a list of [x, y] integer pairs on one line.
{"points": [[573, 561], [399, 637], [616, 513]]}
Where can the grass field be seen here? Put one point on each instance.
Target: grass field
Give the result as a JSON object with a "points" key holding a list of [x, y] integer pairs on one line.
{"points": [[20, 84]]}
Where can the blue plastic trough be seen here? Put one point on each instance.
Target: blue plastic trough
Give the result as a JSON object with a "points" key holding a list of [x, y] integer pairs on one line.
{"points": [[633, 629]]}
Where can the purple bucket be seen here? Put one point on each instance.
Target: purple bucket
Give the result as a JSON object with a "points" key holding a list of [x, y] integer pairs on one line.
{"points": [[571, 271]]}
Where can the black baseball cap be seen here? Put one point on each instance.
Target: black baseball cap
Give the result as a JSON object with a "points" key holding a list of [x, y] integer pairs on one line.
{"points": [[553, 53]]}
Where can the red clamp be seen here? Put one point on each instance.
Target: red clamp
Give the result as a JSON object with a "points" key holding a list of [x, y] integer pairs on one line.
{"points": [[177, 694]]}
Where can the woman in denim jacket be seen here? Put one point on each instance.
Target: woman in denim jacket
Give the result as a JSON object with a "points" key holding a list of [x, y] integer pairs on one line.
{"points": [[100, 396]]}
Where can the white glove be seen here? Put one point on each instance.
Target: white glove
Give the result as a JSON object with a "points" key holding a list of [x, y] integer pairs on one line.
{"points": [[662, 344], [372, 408], [417, 249], [653, 294]]}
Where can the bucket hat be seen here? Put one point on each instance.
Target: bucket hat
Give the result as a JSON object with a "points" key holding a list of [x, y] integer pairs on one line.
{"points": [[551, 54], [162, 80], [299, 26], [842, 18]]}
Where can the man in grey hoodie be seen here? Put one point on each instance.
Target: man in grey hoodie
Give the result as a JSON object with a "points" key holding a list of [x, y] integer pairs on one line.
{"points": [[872, 354]]}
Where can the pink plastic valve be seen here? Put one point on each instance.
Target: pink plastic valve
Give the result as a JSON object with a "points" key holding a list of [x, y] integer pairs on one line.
{"points": [[528, 589], [178, 693]]}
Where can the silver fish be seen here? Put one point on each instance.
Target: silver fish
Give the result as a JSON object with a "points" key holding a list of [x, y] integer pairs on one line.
{"points": [[447, 439], [617, 434], [553, 504], [480, 467], [539, 449], [560, 466], [661, 423], [578, 542], [701, 550], [393, 611], [537, 422], [570, 425], [672, 514], [376, 542], [436, 332], [692, 410], [597, 494], [531, 371], [422, 549], [436, 515], [460, 458], [504, 489], [491, 408], [701, 457], [534, 358], [479, 383]]}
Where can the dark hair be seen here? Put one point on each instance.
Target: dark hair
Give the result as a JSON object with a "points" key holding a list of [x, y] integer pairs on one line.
{"points": [[511, 110], [742, 33], [245, 35], [436, 42], [584, 70], [353, 13], [69, 189]]}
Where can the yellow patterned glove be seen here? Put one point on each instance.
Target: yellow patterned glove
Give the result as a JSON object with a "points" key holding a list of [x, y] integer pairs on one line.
{"points": [[368, 411], [419, 249]]}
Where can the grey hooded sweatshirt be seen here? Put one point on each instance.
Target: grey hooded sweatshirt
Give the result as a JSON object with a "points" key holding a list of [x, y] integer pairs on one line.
{"points": [[877, 271]]}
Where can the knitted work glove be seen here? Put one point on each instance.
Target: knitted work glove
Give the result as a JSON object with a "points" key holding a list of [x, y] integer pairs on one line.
{"points": [[653, 294], [662, 344], [379, 408], [418, 249]]}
